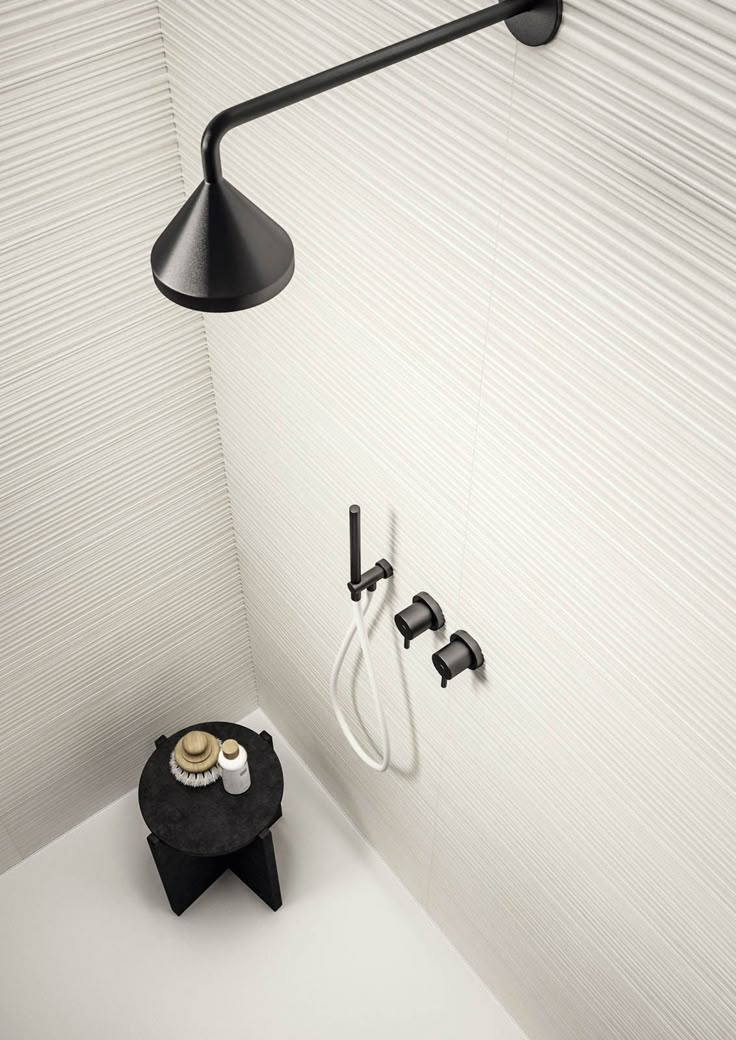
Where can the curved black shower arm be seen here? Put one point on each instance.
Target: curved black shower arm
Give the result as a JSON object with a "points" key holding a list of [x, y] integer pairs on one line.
{"points": [[345, 73]]}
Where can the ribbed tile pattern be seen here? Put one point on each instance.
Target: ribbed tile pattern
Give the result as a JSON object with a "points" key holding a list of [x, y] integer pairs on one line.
{"points": [[526, 257], [596, 796], [122, 604]]}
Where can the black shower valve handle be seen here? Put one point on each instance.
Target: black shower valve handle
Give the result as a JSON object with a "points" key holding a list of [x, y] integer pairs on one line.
{"points": [[422, 615], [460, 653]]}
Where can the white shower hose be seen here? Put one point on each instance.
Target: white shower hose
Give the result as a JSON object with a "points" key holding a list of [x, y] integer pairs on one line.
{"points": [[358, 624]]}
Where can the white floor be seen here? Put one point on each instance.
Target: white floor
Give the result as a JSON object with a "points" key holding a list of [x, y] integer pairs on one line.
{"points": [[89, 947]]}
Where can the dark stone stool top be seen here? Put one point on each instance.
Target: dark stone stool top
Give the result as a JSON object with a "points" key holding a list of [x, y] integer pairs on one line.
{"points": [[207, 821]]}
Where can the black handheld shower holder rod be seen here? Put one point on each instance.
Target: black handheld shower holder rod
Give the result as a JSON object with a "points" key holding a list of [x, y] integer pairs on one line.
{"points": [[361, 582]]}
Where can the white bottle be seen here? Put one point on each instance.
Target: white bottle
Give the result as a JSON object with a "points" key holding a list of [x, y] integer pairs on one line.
{"points": [[233, 760]]}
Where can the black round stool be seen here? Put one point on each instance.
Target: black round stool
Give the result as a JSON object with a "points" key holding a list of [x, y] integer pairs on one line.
{"points": [[197, 833]]}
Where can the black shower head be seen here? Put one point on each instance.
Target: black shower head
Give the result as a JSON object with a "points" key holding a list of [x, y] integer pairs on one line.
{"points": [[221, 252]]}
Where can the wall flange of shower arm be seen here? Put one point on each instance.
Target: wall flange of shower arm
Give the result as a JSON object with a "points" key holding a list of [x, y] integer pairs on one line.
{"points": [[221, 252]]}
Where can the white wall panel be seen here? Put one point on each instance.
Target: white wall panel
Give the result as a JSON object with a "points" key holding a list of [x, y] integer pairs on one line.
{"points": [[122, 605], [527, 258], [600, 542]]}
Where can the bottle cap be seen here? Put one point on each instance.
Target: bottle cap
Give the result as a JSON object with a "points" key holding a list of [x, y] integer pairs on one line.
{"points": [[231, 749]]}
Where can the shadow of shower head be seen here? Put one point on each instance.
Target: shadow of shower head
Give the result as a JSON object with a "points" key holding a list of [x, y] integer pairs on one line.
{"points": [[221, 252]]}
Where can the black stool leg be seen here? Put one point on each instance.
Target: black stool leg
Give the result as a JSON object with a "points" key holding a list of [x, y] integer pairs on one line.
{"points": [[184, 877], [256, 866]]}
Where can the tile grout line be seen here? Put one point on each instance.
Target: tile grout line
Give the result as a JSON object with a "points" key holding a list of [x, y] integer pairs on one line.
{"points": [[203, 324], [481, 381]]}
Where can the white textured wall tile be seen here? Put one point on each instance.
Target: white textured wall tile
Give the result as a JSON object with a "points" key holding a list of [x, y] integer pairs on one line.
{"points": [[9, 854], [600, 548], [122, 603], [533, 249]]}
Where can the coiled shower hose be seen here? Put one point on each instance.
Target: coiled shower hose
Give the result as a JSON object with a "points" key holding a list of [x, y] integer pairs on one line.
{"points": [[358, 624]]}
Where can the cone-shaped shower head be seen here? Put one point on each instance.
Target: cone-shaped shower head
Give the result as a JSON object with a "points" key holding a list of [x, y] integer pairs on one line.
{"points": [[221, 253]]}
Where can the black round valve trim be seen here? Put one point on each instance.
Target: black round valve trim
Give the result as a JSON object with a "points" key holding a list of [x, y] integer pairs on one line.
{"points": [[422, 614], [460, 653]]}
